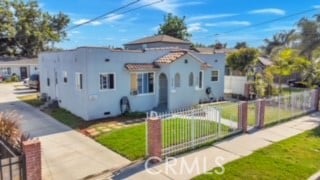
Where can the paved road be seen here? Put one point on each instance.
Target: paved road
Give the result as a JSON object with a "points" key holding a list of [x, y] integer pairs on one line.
{"points": [[66, 153]]}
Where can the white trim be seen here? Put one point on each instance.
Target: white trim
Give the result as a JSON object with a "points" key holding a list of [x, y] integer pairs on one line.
{"points": [[114, 82], [154, 83], [218, 76]]}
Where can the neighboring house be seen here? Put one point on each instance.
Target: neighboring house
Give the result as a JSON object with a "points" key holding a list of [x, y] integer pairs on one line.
{"points": [[95, 83], [235, 84], [22, 67], [157, 42], [262, 64]]}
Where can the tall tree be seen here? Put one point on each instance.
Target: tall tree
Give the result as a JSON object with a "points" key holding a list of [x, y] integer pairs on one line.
{"points": [[309, 35], [174, 26], [7, 27], [286, 62], [28, 30], [242, 59], [279, 41], [240, 45]]}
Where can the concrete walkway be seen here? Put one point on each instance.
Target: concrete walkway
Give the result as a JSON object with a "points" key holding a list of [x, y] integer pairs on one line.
{"points": [[66, 154], [223, 152]]}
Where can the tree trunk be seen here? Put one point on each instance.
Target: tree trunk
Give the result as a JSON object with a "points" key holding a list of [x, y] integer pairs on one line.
{"points": [[279, 84]]}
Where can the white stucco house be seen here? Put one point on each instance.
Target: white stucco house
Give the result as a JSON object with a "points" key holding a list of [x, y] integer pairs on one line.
{"points": [[95, 83], [22, 67]]}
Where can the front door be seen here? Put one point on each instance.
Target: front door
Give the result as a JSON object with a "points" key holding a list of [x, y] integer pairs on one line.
{"points": [[23, 72], [163, 90]]}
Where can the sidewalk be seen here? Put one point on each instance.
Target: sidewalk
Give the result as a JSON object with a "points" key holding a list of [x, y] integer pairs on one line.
{"points": [[229, 150]]}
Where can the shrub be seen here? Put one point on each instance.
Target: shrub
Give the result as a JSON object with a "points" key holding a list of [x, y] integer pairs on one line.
{"points": [[15, 78], [10, 131]]}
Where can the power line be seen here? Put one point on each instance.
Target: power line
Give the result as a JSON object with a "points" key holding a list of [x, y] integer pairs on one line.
{"points": [[142, 6], [103, 15], [111, 12]]}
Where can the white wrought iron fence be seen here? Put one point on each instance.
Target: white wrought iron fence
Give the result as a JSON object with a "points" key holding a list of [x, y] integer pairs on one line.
{"points": [[289, 106], [189, 128]]}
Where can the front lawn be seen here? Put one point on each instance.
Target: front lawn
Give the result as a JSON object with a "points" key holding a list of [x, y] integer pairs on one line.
{"points": [[33, 100], [67, 118], [294, 158], [131, 141]]}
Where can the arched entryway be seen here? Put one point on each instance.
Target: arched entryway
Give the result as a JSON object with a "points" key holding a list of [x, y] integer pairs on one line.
{"points": [[163, 91]]}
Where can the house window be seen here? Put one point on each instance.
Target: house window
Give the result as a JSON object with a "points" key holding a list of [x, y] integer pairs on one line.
{"points": [[142, 83], [177, 80], [214, 75], [65, 76], [8, 71], [107, 81], [200, 79], [191, 79], [79, 79], [48, 82]]}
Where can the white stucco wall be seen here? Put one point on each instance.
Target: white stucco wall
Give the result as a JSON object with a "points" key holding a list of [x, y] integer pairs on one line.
{"points": [[69, 97], [93, 103]]}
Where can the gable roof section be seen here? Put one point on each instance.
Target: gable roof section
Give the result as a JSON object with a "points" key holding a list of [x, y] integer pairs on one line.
{"points": [[158, 38], [176, 55], [171, 57], [141, 66], [265, 61]]}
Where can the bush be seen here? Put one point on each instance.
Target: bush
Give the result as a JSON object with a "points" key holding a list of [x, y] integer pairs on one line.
{"points": [[10, 131], [15, 78]]}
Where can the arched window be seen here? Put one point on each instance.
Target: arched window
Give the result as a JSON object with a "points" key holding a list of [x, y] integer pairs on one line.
{"points": [[191, 79], [177, 80]]}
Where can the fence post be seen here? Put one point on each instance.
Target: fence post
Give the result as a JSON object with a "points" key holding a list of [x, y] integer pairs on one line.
{"points": [[246, 90], [32, 153], [316, 99], [243, 116], [261, 104], [154, 138]]}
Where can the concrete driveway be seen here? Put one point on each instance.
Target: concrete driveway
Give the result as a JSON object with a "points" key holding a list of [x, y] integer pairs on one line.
{"points": [[66, 154]]}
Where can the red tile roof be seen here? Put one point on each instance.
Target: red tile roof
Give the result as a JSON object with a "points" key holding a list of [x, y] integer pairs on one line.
{"points": [[141, 66], [171, 57]]}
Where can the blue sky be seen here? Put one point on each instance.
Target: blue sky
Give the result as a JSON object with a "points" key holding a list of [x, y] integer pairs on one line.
{"points": [[207, 20]]}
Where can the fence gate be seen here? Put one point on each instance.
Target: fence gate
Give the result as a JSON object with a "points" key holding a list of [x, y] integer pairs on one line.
{"points": [[190, 128]]}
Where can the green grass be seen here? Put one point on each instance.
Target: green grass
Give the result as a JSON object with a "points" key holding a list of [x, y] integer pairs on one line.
{"points": [[33, 100], [288, 91], [294, 158], [272, 113], [130, 141], [67, 118]]}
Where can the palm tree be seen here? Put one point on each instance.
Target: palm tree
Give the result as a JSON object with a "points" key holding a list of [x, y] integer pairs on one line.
{"points": [[278, 42], [309, 36]]}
